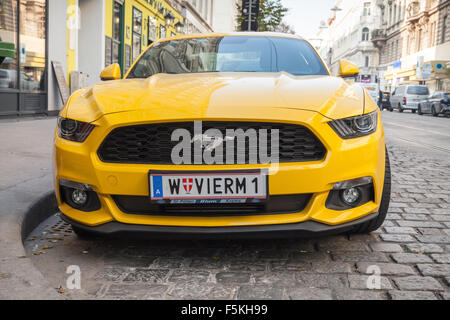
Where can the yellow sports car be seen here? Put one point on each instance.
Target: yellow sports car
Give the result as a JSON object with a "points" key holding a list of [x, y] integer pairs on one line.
{"points": [[223, 135]]}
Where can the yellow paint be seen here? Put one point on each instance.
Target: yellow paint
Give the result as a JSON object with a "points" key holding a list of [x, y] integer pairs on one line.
{"points": [[311, 101], [111, 72], [347, 68]]}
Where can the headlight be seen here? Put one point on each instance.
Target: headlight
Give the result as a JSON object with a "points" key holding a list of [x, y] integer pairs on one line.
{"points": [[74, 130], [355, 127]]}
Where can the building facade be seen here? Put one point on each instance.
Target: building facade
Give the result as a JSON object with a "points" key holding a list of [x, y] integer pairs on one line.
{"points": [[80, 36], [225, 15], [413, 40], [198, 15], [349, 37]]}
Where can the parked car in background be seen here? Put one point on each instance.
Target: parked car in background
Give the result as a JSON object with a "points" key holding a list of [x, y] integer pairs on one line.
{"points": [[407, 97], [385, 101], [8, 79], [435, 104]]}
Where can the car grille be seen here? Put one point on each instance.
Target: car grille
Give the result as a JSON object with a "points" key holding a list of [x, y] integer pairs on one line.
{"points": [[277, 204], [151, 143]]}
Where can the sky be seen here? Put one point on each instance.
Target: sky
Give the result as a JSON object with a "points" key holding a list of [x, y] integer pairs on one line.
{"points": [[305, 15]]}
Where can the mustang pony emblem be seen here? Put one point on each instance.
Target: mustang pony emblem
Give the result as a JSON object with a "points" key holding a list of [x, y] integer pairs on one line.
{"points": [[210, 143]]}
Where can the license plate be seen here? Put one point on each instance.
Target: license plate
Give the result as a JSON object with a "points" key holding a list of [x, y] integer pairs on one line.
{"points": [[197, 185]]}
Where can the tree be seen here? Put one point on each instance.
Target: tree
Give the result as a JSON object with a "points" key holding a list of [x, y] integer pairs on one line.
{"points": [[285, 28], [271, 14]]}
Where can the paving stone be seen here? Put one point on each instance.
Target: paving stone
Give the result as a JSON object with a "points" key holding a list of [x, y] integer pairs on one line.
{"points": [[386, 268], [402, 238], [441, 258], [200, 291], [447, 281], [147, 275], [134, 292], [361, 282], [275, 278], [424, 248], [445, 295], [434, 239], [416, 210], [412, 295], [233, 277], [309, 294], [440, 217], [386, 247], [189, 276], [259, 292], [246, 265], [349, 294], [111, 274], [415, 217], [358, 256], [400, 230], [435, 270], [419, 224], [410, 258], [418, 283], [430, 231]]}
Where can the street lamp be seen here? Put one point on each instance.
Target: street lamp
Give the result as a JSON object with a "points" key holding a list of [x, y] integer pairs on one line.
{"points": [[169, 19], [179, 27]]}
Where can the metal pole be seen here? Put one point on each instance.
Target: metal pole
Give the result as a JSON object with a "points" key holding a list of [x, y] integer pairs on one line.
{"points": [[250, 15]]}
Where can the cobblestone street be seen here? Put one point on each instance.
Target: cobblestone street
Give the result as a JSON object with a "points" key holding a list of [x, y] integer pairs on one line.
{"points": [[412, 250]]}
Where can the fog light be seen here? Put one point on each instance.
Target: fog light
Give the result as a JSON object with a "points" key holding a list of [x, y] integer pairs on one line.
{"points": [[351, 196], [79, 197]]}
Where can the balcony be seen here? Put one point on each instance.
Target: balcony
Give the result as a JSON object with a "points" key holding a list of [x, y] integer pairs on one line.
{"points": [[378, 37]]}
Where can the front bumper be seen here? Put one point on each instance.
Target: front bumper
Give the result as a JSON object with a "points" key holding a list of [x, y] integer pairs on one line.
{"points": [[345, 160], [307, 229]]}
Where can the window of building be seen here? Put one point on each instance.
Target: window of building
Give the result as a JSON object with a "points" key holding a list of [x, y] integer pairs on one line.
{"points": [[137, 32], [365, 34], [444, 29], [366, 61], [366, 11]]}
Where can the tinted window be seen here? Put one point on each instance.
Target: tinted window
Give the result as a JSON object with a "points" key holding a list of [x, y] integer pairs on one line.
{"points": [[418, 90], [229, 54]]}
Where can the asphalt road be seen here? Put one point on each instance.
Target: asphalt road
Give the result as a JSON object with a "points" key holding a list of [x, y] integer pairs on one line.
{"points": [[419, 133], [411, 249]]}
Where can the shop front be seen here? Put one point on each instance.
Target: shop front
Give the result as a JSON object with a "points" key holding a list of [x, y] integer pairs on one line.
{"points": [[23, 47]]}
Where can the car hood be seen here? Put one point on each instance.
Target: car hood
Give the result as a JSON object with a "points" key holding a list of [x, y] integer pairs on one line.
{"points": [[207, 95]]}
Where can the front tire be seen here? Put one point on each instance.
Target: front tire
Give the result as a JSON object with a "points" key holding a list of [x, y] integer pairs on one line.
{"points": [[400, 109], [433, 111], [374, 224], [413, 111]]}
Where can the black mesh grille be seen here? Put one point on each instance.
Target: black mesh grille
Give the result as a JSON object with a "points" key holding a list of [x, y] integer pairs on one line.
{"points": [[151, 143], [277, 204]]}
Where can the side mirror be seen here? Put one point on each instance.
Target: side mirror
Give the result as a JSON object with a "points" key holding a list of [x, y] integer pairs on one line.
{"points": [[111, 72], [347, 69]]}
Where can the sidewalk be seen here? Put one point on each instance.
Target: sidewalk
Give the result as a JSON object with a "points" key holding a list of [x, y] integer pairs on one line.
{"points": [[25, 176]]}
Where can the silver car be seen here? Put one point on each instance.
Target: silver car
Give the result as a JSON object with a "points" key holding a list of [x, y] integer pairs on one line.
{"points": [[408, 97], [437, 103]]}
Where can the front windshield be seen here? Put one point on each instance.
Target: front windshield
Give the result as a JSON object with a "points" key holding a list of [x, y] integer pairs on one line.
{"points": [[229, 54]]}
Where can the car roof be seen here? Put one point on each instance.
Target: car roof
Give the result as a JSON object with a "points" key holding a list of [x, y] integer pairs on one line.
{"points": [[233, 34]]}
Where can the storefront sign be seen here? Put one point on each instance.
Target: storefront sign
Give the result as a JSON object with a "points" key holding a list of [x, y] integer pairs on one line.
{"points": [[61, 80], [426, 71]]}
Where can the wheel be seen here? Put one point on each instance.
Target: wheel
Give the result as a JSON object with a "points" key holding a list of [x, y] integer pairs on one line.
{"points": [[413, 111], [83, 234], [433, 111], [419, 110], [374, 224], [400, 109]]}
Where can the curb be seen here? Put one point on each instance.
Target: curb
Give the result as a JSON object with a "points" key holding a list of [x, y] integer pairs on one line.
{"points": [[37, 212]]}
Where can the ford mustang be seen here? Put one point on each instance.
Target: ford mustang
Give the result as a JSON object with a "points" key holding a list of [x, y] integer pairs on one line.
{"points": [[223, 135]]}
